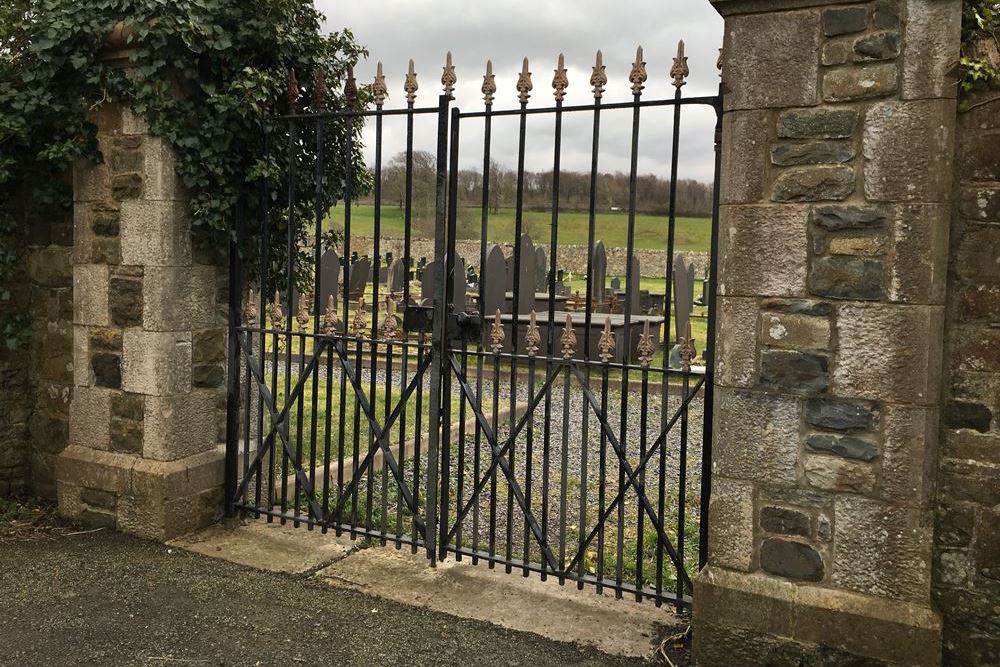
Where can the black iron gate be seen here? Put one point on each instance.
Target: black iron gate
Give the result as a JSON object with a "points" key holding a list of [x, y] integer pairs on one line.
{"points": [[526, 424]]}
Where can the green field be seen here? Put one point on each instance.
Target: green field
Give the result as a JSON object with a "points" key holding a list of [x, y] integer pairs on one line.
{"points": [[691, 234]]}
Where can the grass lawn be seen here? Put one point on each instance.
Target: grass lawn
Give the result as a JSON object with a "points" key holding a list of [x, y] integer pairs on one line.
{"points": [[691, 234]]}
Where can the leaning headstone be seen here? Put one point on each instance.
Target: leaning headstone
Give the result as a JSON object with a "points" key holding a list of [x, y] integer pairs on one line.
{"points": [[683, 297], [599, 270], [360, 274], [526, 279], [395, 277], [493, 281], [329, 279], [541, 271]]}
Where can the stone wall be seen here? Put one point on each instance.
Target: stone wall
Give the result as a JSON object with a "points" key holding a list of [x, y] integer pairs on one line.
{"points": [[837, 146], [36, 383], [652, 263], [149, 345], [967, 538]]}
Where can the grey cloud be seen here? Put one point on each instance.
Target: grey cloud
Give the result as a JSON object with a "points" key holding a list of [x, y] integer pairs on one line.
{"points": [[397, 30]]}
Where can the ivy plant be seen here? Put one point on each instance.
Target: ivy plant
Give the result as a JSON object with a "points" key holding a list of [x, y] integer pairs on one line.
{"points": [[979, 69], [211, 77]]}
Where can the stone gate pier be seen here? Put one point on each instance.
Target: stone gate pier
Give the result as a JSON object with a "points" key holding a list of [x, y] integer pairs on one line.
{"points": [[837, 202]]}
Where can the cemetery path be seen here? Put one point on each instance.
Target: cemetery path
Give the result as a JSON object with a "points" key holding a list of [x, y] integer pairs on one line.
{"points": [[103, 598]]}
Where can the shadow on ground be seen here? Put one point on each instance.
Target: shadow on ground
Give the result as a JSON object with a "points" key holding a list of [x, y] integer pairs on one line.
{"points": [[106, 599]]}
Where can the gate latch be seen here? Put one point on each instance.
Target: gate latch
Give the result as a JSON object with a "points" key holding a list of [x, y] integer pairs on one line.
{"points": [[466, 327], [418, 319]]}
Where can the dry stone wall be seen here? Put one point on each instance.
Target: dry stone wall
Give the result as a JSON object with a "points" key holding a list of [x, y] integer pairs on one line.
{"points": [[837, 147], [967, 536]]}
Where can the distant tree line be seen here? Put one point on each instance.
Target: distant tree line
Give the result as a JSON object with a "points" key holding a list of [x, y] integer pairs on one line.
{"points": [[694, 199]]}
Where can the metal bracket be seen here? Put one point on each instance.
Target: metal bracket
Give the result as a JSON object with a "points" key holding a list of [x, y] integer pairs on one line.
{"points": [[418, 319], [465, 327]]}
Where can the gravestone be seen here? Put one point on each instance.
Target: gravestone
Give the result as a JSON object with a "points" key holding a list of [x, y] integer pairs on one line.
{"points": [[632, 293], [541, 271], [599, 271], [427, 283], [616, 284], [508, 280], [705, 286], [360, 274], [683, 296], [526, 279], [395, 277], [460, 285], [329, 279], [493, 281]]}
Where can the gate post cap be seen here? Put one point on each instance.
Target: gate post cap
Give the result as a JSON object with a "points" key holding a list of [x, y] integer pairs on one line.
{"points": [[737, 7]]}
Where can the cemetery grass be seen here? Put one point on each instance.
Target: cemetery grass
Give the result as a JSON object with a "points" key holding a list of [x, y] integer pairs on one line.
{"points": [[691, 234]]}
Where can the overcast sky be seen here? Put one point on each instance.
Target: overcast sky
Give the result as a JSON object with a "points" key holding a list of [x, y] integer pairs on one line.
{"points": [[396, 30]]}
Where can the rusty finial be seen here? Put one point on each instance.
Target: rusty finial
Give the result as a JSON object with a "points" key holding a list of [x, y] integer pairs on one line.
{"points": [[560, 81], [532, 336], [303, 316], [718, 63], [277, 313], [687, 351], [379, 90], [360, 324], [680, 70], [250, 311], [389, 328], [646, 346], [599, 78], [606, 346], [449, 78], [319, 92], [524, 83], [350, 87], [568, 338], [489, 84], [331, 322], [496, 334], [638, 74], [293, 92], [410, 85]]}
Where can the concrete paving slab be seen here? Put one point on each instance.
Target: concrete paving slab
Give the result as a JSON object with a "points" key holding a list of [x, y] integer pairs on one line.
{"points": [[563, 613], [268, 546]]}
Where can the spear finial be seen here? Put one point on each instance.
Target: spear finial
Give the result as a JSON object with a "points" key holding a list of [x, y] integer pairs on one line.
{"points": [[524, 85], [489, 84], [293, 91], [410, 85], [560, 82], [680, 70], [350, 87], [449, 78], [638, 74], [319, 92], [599, 78], [379, 90]]}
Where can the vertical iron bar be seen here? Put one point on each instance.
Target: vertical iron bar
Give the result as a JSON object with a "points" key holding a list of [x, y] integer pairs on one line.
{"points": [[640, 536], [290, 267], [376, 275], [682, 488], [233, 371], [317, 306], [407, 268], [709, 393], [438, 342], [265, 267]]}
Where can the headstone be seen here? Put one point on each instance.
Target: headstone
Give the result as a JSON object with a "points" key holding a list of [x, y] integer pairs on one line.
{"points": [[526, 279], [632, 294], [616, 283], [703, 299], [541, 271], [599, 270], [493, 281], [683, 297], [395, 277], [508, 280], [329, 279], [427, 283], [460, 286], [360, 274]]}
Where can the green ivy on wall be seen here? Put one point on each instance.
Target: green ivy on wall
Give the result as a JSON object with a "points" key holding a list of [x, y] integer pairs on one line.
{"points": [[208, 76], [980, 23]]}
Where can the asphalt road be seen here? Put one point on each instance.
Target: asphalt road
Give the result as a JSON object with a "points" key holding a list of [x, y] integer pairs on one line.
{"points": [[107, 599]]}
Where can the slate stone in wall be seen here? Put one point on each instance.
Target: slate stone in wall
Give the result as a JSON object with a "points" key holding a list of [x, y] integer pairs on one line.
{"points": [[792, 560], [839, 415], [843, 21], [805, 184], [886, 15], [785, 521], [860, 83], [798, 372], [879, 46], [812, 152], [821, 123], [964, 414], [798, 306], [847, 277], [839, 218], [848, 447]]}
